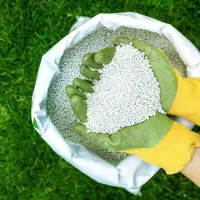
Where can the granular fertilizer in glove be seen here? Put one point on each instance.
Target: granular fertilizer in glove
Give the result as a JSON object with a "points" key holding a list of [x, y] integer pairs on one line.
{"points": [[128, 93], [58, 105]]}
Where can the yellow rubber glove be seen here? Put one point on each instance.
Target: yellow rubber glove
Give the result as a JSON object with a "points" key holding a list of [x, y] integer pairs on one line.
{"points": [[159, 140], [187, 101], [179, 96], [173, 152]]}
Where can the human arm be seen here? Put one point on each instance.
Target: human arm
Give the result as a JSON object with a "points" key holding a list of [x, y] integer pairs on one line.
{"points": [[192, 169]]}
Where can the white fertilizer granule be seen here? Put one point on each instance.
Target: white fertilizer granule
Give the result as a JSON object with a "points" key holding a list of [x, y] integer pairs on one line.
{"points": [[128, 93], [58, 106]]}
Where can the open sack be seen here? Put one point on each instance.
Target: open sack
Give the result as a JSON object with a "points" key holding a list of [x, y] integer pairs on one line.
{"points": [[131, 173]]}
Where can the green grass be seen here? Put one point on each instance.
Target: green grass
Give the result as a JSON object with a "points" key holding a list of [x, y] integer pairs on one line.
{"points": [[29, 169]]}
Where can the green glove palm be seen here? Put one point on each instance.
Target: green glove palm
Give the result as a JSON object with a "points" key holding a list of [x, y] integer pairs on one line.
{"points": [[161, 68]]}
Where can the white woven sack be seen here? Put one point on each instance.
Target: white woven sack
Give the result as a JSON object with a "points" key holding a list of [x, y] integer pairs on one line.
{"points": [[131, 173]]}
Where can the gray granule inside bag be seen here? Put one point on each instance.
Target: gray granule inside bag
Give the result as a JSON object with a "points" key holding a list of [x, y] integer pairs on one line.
{"points": [[58, 107]]}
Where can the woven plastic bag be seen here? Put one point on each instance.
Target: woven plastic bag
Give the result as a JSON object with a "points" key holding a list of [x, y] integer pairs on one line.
{"points": [[131, 173]]}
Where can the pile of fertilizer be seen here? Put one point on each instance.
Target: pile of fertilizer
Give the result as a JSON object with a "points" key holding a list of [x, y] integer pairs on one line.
{"points": [[128, 93], [58, 106]]}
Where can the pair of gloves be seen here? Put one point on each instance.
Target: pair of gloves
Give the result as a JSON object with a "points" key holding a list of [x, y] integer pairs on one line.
{"points": [[158, 140]]}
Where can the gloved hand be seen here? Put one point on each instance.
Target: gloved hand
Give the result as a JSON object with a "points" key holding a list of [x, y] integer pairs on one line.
{"points": [[179, 96], [159, 140]]}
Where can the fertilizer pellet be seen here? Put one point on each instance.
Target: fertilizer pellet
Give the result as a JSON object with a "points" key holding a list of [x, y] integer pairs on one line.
{"points": [[58, 107], [127, 94]]}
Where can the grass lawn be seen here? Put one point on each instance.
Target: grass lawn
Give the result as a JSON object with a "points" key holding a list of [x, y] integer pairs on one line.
{"points": [[29, 169]]}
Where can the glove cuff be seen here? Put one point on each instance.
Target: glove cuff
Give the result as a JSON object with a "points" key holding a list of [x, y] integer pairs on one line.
{"points": [[187, 101], [173, 152]]}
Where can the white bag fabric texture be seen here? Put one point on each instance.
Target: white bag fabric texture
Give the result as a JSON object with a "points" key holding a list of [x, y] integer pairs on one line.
{"points": [[131, 173]]}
